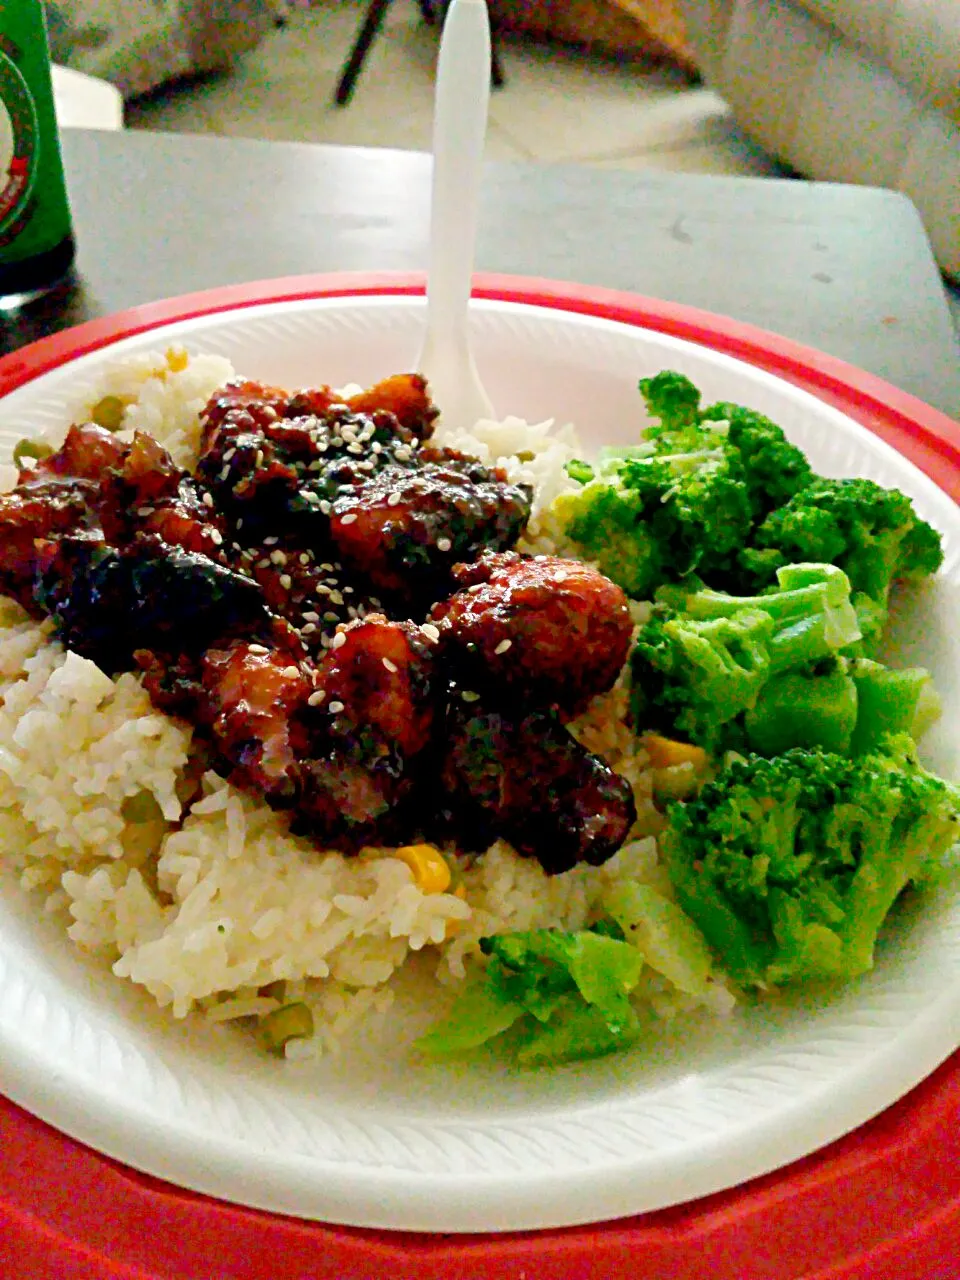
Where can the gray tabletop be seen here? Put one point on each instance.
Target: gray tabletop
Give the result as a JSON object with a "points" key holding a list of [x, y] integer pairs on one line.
{"points": [[844, 269]]}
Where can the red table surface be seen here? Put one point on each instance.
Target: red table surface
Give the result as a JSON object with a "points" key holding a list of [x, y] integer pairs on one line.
{"points": [[882, 1203]]}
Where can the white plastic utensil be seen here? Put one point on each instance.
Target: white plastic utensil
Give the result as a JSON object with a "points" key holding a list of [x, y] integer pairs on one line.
{"points": [[459, 129]]}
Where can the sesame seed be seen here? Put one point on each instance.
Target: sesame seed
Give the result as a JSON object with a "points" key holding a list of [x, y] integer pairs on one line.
{"points": [[325, 507], [235, 546], [304, 558], [316, 698], [331, 617], [239, 522], [308, 629], [145, 511], [430, 631], [348, 518], [348, 591], [270, 542], [286, 581], [561, 576], [335, 707], [503, 646], [390, 666], [376, 447], [229, 454], [225, 472], [257, 648], [311, 616], [468, 695], [477, 586], [208, 499], [327, 568], [444, 544], [336, 597], [258, 458], [394, 499], [291, 671], [540, 557], [216, 537], [278, 557], [262, 564], [338, 641]]}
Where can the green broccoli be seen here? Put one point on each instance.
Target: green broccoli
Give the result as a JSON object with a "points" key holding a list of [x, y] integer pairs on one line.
{"points": [[774, 468], [728, 672], [687, 498], [789, 866], [873, 534], [658, 519], [561, 995]]}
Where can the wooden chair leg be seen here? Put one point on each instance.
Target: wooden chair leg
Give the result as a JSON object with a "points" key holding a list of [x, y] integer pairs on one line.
{"points": [[354, 64]]}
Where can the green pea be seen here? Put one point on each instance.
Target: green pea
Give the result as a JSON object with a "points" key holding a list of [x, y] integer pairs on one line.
{"points": [[36, 449], [108, 412], [291, 1022], [141, 808]]}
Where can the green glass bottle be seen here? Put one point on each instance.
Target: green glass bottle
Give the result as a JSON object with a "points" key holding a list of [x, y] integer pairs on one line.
{"points": [[36, 232]]}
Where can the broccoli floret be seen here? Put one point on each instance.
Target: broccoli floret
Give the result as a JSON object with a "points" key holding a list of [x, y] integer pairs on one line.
{"points": [[790, 865], [674, 402], [727, 672], [659, 519], [687, 498], [873, 534], [775, 470]]}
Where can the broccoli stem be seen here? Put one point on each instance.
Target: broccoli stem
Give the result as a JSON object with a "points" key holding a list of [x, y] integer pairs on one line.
{"points": [[891, 702], [800, 710]]}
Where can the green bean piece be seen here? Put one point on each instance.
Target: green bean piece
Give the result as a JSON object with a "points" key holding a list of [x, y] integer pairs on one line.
{"points": [[36, 449], [291, 1022], [108, 412], [141, 808]]}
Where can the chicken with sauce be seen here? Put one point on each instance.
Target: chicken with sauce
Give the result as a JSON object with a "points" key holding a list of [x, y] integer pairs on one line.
{"points": [[273, 597]]}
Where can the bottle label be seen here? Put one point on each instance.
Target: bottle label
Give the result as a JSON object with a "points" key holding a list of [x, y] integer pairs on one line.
{"points": [[18, 144], [34, 210]]}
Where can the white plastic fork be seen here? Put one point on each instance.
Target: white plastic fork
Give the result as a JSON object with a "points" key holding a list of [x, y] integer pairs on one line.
{"points": [[459, 129]]}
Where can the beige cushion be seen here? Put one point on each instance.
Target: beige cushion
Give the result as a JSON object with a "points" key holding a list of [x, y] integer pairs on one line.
{"points": [[828, 105], [919, 40]]}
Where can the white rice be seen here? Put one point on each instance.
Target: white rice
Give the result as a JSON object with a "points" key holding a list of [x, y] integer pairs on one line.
{"points": [[205, 906]]}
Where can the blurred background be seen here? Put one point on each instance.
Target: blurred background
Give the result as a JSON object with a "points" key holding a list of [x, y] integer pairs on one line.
{"points": [[862, 91]]}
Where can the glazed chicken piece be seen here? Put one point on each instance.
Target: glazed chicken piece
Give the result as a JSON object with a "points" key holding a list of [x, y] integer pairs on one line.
{"points": [[305, 588], [555, 631], [283, 476], [145, 492], [406, 396], [251, 701], [56, 496], [86, 453], [380, 674], [43, 509], [376, 699], [406, 529], [110, 602], [340, 744], [521, 776]]}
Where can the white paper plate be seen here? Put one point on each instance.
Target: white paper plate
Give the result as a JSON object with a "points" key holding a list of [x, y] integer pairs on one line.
{"points": [[373, 1139]]}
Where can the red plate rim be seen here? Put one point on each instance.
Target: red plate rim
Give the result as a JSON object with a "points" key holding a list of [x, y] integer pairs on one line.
{"points": [[882, 1203]]}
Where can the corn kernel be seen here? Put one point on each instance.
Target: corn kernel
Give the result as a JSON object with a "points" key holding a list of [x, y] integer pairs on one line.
{"points": [[664, 753], [429, 867], [177, 359]]}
